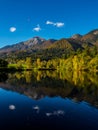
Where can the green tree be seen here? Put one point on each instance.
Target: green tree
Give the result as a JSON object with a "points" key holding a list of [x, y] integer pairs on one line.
{"points": [[3, 63]]}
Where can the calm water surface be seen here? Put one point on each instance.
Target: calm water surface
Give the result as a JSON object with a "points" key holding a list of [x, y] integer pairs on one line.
{"points": [[49, 100]]}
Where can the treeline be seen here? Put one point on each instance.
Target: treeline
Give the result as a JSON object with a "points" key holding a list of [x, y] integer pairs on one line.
{"points": [[3, 63], [82, 59]]}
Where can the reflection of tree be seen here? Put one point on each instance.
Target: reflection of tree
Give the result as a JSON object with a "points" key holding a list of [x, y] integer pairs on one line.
{"points": [[3, 76], [39, 75], [19, 75], [28, 76], [75, 85]]}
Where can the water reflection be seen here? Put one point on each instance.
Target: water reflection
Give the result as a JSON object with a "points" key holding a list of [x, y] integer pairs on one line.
{"points": [[79, 86], [36, 108], [55, 113], [3, 76], [12, 107], [49, 100]]}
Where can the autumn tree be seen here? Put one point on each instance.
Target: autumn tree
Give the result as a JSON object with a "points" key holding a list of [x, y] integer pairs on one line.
{"points": [[29, 63]]}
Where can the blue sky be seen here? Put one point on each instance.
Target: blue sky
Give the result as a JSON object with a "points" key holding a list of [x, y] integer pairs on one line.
{"points": [[24, 19]]}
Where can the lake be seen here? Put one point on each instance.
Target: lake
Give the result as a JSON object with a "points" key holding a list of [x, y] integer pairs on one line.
{"points": [[49, 100]]}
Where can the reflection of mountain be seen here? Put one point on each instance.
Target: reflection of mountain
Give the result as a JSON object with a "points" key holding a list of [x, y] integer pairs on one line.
{"points": [[80, 87]]}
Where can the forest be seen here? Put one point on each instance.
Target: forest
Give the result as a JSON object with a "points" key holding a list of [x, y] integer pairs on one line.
{"points": [[80, 60]]}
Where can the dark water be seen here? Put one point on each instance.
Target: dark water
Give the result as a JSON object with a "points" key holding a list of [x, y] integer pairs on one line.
{"points": [[49, 100]]}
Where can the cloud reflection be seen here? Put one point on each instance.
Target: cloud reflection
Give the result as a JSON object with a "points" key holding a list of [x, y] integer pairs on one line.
{"points": [[37, 108], [48, 114], [12, 107], [56, 113]]}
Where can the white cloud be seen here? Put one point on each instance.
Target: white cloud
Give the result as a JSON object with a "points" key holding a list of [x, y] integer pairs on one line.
{"points": [[57, 24], [37, 29], [49, 22], [12, 29]]}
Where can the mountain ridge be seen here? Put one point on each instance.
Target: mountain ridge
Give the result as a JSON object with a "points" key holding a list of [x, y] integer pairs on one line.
{"points": [[64, 45]]}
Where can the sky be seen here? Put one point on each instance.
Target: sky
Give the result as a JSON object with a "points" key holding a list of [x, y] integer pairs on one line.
{"points": [[21, 20]]}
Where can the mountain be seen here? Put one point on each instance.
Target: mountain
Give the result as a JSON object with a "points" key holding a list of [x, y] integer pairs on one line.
{"points": [[23, 45], [77, 36], [38, 46], [65, 44], [91, 37]]}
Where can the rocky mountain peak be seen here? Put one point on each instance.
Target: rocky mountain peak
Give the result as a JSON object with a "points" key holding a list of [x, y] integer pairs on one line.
{"points": [[34, 41], [95, 32], [76, 36]]}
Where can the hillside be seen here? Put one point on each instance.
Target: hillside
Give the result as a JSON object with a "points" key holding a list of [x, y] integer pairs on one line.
{"points": [[36, 41], [45, 49], [91, 37]]}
